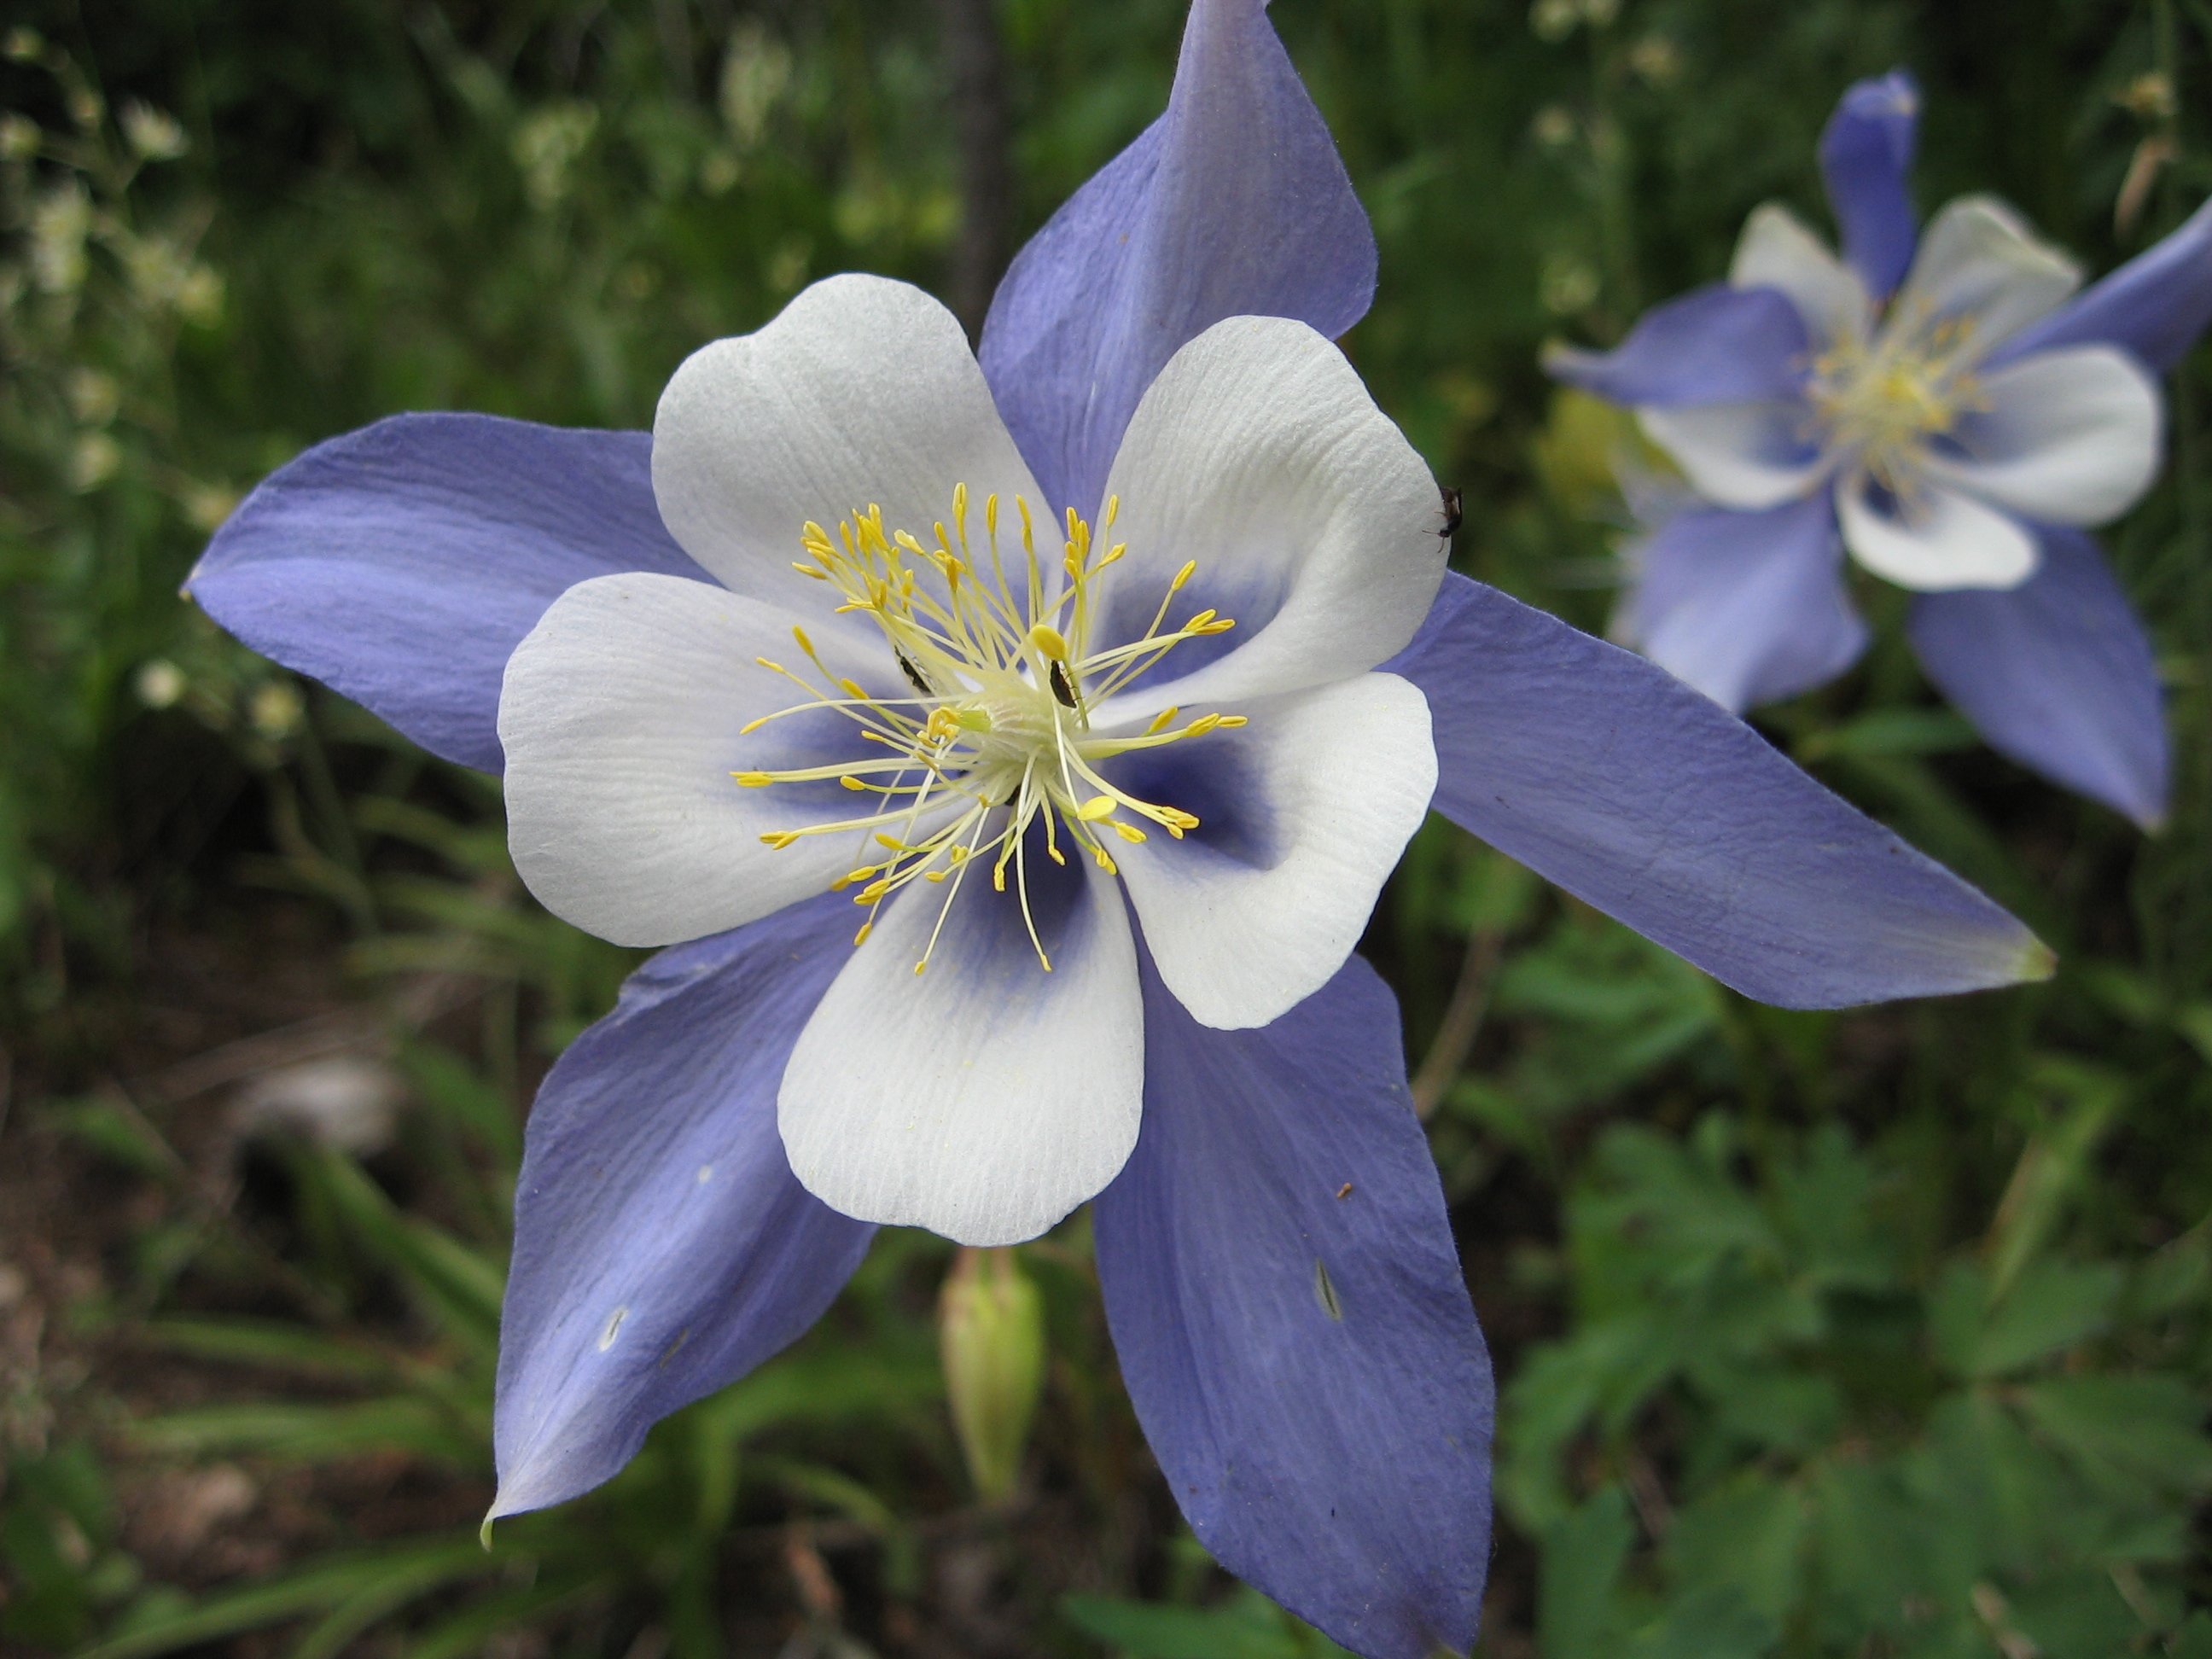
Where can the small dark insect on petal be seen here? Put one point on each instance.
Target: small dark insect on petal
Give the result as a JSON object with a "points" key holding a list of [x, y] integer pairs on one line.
{"points": [[913, 675], [1451, 512], [1063, 686]]}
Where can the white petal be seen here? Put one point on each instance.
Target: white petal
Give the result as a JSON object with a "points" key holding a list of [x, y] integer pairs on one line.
{"points": [[1946, 539], [620, 716], [1249, 915], [2071, 436], [862, 392], [985, 1098], [1747, 456], [1315, 525], [1978, 263], [1777, 251]]}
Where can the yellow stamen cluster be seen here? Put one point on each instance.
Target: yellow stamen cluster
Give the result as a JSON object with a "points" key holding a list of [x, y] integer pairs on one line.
{"points": [[993, 721], [1886, 400]]}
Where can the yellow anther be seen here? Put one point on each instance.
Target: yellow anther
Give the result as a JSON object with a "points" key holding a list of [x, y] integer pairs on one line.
{"points": [[804, 644], [1183, 575], [1113, 512], [1230, 722], [891, 842], [1105, 863], [815, 571], [1198, 622], [853, 689], [780, 839], [771, 665], [871, 892], [1097, 807], [753, 780], [1161, 720], [848, 781], [1049, 642], [1113, 553], [751, 726], [990, 512], [861, 875], [1129, 832], [1202, 725], [867, 929]]}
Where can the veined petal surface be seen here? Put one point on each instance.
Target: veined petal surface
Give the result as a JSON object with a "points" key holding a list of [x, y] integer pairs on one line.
{"points": [[2058, 674], [861, 392], [1748, 607], [984, 1099], [1603, 773], [622, 717], [662, 1247], [1291, 1321], [1259, 453], [1256, 909], [1234, 202], [2072, 436], [2156, 306], [402, 563], [1713, 345], [1866, 161]]}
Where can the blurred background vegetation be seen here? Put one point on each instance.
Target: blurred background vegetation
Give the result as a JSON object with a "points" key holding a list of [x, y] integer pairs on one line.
{"points": [[1869, 1335]]}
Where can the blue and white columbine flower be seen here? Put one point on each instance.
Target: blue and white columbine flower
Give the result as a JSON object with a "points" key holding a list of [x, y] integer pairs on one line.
{"points": [[1096, 686], [1942, 405]]}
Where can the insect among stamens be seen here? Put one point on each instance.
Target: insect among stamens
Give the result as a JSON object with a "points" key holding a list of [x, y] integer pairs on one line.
{"points": [[913, 675], [1451, 514], [1063, 685]]}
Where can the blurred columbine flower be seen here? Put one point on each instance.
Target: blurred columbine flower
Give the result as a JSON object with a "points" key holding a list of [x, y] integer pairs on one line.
{"points": [[1943, 406], [1101, 680]]}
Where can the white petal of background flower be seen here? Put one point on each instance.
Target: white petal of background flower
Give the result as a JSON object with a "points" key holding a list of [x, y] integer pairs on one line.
{"points": [[1259, 453], [862, 391], [619, 716], [985, 1098], [1777, 251], [1946, 540], [1747, 456], [1332, 784], [2070, 436], [1978, 261]]}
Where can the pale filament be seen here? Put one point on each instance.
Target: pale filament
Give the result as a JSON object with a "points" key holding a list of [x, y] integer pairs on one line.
{"points": [[1004, 684], [1885, 401]]}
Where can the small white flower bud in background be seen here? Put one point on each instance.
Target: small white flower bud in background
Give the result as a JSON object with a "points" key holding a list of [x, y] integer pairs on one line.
{"points": [[153, 135], [160, 683], [276, 709]]}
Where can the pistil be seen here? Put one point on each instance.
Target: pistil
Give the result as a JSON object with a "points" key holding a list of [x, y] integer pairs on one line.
{"points": [[997, 729]]}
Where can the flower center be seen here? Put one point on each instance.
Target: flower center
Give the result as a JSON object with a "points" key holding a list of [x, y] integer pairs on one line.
{"points": [[997, 729], [1886, 401]]}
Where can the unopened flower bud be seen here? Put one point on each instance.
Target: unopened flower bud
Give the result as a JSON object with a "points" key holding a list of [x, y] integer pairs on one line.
{"points": [[991, 1337]]}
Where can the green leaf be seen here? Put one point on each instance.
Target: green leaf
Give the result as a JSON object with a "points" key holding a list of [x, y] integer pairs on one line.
{"points": [[2053, 1306], [312, 1589], [1251, 1627], [1584, 1557], [2148, 1429]]}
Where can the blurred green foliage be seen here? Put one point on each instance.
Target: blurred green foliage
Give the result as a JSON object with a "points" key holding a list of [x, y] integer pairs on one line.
{"points": [[1869, 1336]]}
